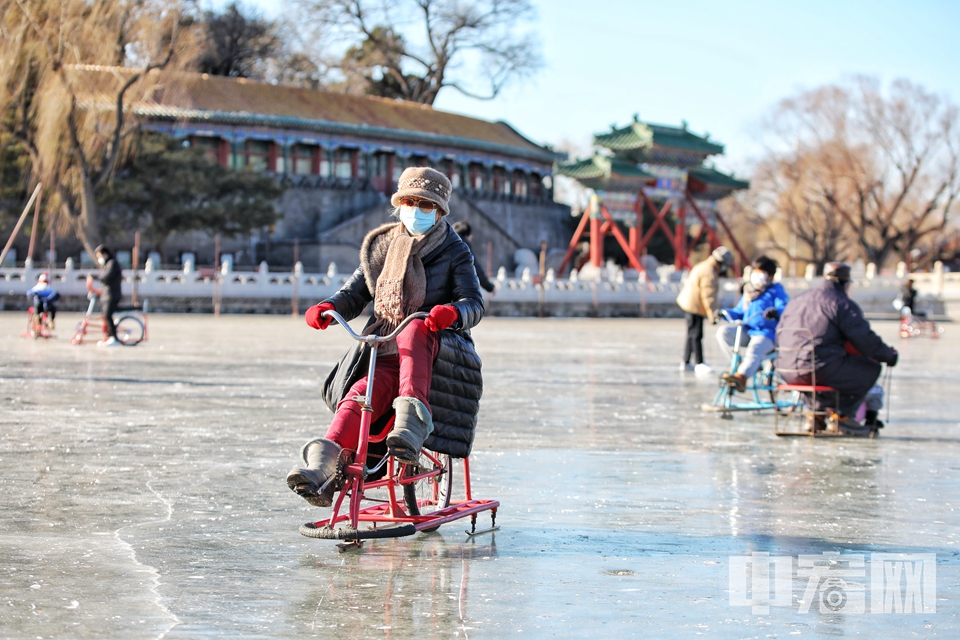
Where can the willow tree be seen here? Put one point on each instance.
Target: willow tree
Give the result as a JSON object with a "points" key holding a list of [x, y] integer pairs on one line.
{"points": [[75, 124]]}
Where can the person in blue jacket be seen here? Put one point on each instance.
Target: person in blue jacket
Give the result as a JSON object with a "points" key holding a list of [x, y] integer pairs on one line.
{"points": [[758, 311], [44, 297]]}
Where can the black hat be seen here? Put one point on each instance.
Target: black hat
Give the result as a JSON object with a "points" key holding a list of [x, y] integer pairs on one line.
{"points": [[839, 271]]}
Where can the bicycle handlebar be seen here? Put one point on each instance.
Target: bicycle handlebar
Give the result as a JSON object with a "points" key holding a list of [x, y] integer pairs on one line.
{"points": [[374, 339]]}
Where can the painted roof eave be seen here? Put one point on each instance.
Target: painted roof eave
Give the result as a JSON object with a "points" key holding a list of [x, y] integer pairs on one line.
{"points": [[233, 117]]}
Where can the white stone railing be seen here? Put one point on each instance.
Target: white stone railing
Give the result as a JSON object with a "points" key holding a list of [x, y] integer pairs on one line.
{"points": [[264, 284], [185, 283]]}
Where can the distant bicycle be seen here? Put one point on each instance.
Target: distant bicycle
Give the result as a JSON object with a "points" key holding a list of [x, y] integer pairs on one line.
{"points": [[918, 326], [916, 323], [131, 323], [39, 324]]}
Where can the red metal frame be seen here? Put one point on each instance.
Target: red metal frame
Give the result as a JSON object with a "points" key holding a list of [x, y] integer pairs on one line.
{"points": [[42, 328], [636, 245], [81, 331], [393, 511]]}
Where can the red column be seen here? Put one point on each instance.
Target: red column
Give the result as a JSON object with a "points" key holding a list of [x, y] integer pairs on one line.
{"points": [[272, 157], [680, 235], [223, 153], [596, 241]]}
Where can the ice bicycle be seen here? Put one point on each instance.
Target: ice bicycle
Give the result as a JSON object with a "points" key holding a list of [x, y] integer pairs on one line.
{"points": [[918, 325], [131, 322], [39, 323], [761, 389], [810, 407], [406, 498]]}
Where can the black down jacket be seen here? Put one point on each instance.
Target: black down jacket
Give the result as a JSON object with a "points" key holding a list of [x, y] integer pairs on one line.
{"points": [[815, 326], [457, 383]]}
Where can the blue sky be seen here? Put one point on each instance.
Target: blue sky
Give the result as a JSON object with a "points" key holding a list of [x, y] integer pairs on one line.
{"points": [[721, 66]]}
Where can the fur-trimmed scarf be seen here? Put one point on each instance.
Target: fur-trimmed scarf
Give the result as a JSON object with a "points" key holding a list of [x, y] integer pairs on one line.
{"points": [[393, 270]]}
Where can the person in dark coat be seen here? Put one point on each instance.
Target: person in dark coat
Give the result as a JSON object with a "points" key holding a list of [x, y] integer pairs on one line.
{"points": [[908, 298], [465, 232], [825, 340], [430, 375], [111, 275]]}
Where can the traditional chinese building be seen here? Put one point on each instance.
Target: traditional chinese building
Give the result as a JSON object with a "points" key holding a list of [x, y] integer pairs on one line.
{"points": [[659, 170], [341, 155]]}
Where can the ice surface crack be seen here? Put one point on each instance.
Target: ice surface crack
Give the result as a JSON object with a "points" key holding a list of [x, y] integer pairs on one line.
{"points": [[154, 573]]}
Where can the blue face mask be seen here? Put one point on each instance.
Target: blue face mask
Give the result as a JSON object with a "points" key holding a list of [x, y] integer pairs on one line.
{"points": [[417, 222]]}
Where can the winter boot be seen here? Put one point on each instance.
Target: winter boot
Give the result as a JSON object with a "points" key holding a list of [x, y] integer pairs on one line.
{"points": [[412, 426], [814, 423], [736, 380], [316, 482], [850, 427], [873, 422]]}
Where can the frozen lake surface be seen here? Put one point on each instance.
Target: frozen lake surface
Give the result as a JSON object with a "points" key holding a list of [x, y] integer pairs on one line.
{"points": [[142, 494]]}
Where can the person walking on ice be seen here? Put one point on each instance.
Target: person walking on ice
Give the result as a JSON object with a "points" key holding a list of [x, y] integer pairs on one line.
{"points": [[699, 301]]}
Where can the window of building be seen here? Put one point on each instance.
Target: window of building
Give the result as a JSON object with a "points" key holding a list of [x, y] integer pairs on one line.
{"points": [[520, 183], [447, 168], [501, 181], [362, 165], [535, 185], [303, 159], [254, 154], [344, 160], [379, 165], [477, 173], [417, 161], [209, 146], [326, 167]]}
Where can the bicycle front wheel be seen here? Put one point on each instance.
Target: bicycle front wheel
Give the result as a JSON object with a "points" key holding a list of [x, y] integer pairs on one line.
{"points": [[129, 331], [434, 492]]}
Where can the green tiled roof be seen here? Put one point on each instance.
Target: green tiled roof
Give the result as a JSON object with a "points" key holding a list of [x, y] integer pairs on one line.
{"points": [[634, 137], [714, 178], [599, 171], [641, 137]]}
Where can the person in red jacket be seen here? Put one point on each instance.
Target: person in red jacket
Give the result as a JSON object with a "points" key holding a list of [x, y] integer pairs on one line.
{"points": [[416, 264]]}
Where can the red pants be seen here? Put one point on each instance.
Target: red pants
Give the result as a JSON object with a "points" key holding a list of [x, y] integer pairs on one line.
{"points": [[407, 373]]}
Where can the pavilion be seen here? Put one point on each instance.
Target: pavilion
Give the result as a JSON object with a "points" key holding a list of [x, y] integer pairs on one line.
{"points": [[658, 169]]}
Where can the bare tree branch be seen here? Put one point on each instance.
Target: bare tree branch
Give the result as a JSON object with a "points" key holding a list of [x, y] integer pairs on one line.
{"points": [[460, 44]]}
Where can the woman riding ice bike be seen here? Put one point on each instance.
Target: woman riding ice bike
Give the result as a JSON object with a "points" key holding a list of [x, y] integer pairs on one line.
{"points": [[428, 373]]}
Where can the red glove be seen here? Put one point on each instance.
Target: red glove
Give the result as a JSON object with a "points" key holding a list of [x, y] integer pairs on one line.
{"points": [[441, 317], [313, 317]]}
